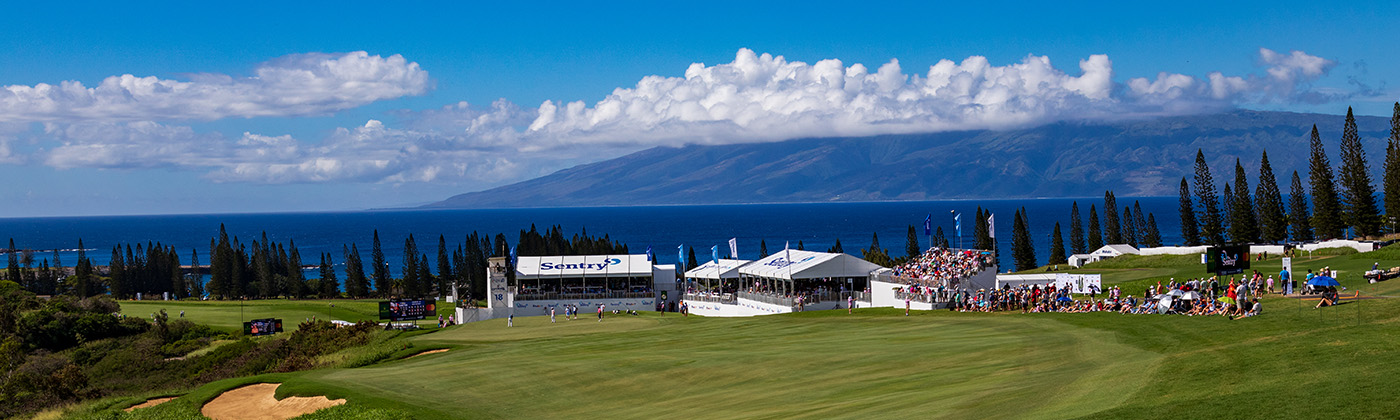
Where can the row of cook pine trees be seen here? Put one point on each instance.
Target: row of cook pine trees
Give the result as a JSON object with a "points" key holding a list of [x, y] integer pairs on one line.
{"points": [[1342, 204], [1131, 228], [266, 269]]}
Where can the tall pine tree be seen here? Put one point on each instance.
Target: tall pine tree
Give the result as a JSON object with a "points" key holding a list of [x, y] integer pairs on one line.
{"points": [[1273, 225], [1076, 230], [1130, 230], [382, 281], [1327, 222], [1244, 227], [982, 235], [1190, 233], [444, 273], [1299, 222], [1057, 247], [1154, 236], [911, 243], [1140, 222], [356, 284], [1113, 228], [1227, 198], [1358, 195], [1022, 249], [12, 272], [408, 284], [329, 285], [1391, 178], [1095, 237], [1208, 204]]}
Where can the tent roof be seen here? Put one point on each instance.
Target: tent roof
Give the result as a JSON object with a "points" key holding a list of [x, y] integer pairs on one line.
{"points": [[797, 264], [728, 269], [583, 266]]}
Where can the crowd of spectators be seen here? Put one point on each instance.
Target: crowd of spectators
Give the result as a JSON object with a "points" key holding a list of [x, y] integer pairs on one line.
{"points": [[940, 267], [1234, 297]]}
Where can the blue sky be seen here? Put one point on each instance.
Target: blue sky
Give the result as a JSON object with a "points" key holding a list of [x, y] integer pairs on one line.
{"points": [[371, 129]]}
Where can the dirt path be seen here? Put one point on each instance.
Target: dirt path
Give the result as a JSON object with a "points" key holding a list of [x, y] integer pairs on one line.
{"points": [[257, 402], [150, 403]]}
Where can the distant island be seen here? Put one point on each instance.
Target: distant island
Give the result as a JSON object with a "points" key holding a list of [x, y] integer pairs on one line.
{"points": [[1068, 159]]}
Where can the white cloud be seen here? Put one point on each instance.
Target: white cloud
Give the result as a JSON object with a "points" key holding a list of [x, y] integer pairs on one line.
{"points": [[303, 84], [1285, 81], [756, 97]]}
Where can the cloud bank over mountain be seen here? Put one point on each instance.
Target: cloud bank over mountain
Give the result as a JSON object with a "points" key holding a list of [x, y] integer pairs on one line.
{"points": [[138, 122]]}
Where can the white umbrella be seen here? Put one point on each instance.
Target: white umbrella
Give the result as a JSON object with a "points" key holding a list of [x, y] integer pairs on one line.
{"points": [[1191, 295], [1164, 304], [1176, 292]]}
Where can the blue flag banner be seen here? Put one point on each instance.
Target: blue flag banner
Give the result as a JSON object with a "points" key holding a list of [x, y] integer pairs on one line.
{"points": [[714, 254], [957, 220], [928, 225], [650, 257], [680, 257], [513, 258]]}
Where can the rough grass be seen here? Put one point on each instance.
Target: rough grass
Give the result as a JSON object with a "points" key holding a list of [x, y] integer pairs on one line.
{"points": [[230, 315]]}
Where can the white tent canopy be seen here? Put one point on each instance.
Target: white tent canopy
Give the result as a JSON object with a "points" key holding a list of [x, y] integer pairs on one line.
{"points": [[583, 266], [797, 264], [728, 269]]}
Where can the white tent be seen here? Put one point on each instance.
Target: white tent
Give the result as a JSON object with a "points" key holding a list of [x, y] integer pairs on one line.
{"points": [[728, 269], [797, 264]]}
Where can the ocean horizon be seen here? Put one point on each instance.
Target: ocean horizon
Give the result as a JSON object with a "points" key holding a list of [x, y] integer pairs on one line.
{"points": [[662, 227]]}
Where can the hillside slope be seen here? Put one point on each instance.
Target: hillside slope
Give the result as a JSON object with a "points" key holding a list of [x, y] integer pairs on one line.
{"points": [[1137, 158]]}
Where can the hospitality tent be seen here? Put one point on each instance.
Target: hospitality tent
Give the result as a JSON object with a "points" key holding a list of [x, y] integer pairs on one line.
{"points": [[790, 271], [584, 274], [710, 274]]}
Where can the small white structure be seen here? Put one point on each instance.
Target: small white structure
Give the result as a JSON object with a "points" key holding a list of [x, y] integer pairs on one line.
{"points": [[1103, 253]]}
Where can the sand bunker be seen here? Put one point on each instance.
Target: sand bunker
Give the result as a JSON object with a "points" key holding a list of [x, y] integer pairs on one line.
{"points": [[150, 403], [427, 353], [256, 402]]}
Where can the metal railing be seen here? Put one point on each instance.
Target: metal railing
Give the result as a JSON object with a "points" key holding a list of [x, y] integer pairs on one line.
{"points": [[711, 297], [580, 296], [766, 298], [918, 297]]}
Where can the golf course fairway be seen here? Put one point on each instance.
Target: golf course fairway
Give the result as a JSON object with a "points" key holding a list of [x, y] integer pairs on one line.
{"points": [[1291, 362]]}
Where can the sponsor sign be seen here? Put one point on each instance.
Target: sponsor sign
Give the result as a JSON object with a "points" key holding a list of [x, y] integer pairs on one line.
{"points": [[1225, 260], [266, 326], [600, 266], [405, 310]]}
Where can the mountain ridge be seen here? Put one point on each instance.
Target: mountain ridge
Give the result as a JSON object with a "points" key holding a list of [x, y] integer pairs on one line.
{"points": [[1133, 158]]}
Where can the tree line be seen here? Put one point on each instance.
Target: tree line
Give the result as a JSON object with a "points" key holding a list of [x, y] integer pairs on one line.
{"points": [[45, 279], [1341, 202], [267, 269], [153, 271], [1131, 227]]}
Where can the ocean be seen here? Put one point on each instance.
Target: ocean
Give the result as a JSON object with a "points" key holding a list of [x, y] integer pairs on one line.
{"points": [[663, 228]]}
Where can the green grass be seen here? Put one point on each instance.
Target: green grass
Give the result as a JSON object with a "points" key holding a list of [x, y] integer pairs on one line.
{"points": [[1292, 362], [230, 315]]}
